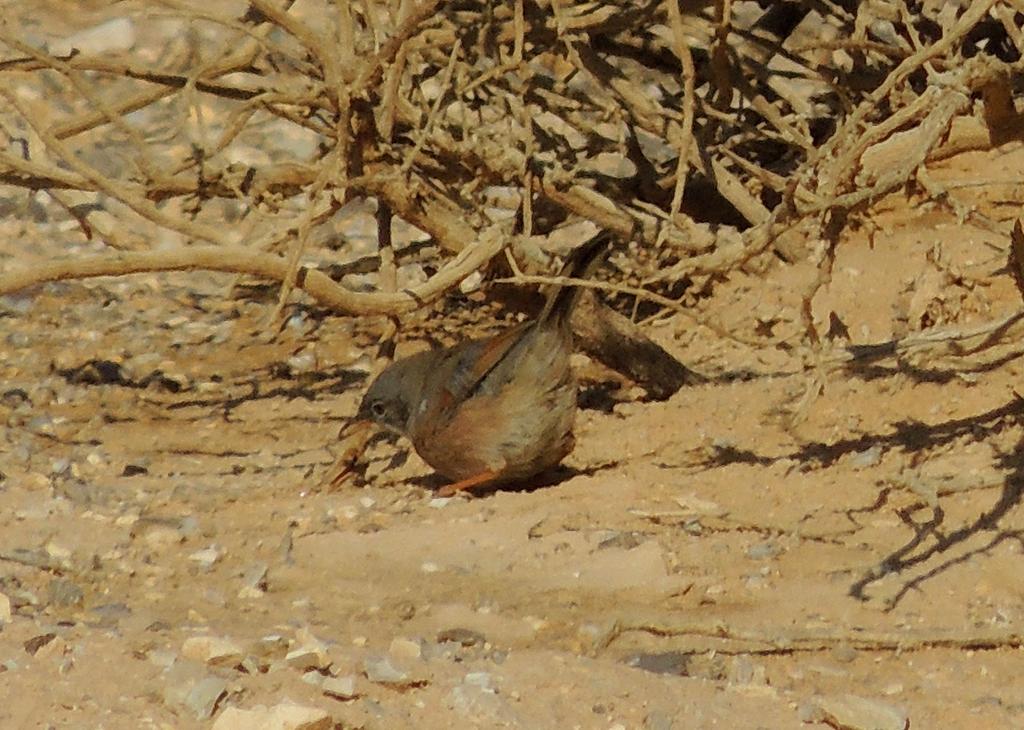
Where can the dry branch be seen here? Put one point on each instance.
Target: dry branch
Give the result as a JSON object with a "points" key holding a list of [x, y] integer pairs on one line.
{"points": [[730, 640], [706, 135], [245, 261]]}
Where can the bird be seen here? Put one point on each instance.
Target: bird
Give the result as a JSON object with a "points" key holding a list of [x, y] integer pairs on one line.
{"points": [[491, 411]]}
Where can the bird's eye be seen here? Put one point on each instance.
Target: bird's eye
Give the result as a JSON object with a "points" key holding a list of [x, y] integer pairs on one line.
{"points": [[377, 408]]}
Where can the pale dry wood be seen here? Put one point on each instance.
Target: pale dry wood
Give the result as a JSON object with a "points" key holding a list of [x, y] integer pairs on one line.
{"points": [[611, 71], [246, 261]]}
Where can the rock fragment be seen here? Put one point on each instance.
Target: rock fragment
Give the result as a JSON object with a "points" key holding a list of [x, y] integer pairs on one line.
{"points": [[63, 592], [408, 649], [463, 636], [657, 720], [214, 651], [112, 36], [206, 558], [380, 670], [33, 645], [309, 653], [204, 696], [342, 688], [304, 659], [254, 581], [286, 716], [850, 712]]}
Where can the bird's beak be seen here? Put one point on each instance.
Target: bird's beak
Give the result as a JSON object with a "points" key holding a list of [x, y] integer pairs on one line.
{"points": [[355, 425]]}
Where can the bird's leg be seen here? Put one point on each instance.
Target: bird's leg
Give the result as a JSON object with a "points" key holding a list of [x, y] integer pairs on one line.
{"points": [[467, 485]]}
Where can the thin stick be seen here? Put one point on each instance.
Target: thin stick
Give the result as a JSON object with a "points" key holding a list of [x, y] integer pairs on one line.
{"points": [[789, 641]]}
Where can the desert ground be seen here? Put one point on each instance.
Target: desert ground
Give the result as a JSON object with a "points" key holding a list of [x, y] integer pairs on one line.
{"points": [[701, 562], [790, 543]]}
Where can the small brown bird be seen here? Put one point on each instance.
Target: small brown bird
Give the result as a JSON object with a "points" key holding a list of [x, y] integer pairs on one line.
{"points": [[494, 410]]}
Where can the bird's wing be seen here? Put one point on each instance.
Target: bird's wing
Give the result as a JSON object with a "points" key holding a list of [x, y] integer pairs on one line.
{"points": [[464, 371]]}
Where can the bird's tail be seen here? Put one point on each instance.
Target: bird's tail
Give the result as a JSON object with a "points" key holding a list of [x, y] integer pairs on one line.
{"points": [[580, 264]]}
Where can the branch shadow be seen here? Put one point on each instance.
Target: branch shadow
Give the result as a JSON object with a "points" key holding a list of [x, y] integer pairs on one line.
{"points": [[932, 537], [917, 551], [909, 435], [307, 386]]}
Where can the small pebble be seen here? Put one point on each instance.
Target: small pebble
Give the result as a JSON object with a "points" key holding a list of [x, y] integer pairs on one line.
{"points": [[202, 699], [58, 552], [255, 577], [313, 677], [206, 558], [286, 716], [305, 658], [33, 645], [212, 650], [62, 592], [483, 680], [188, 526], [743, 671], [162, 537], [57, 647], [405, 649], [844, 653], [304, 362], [763, 550], [380, 670], [163, 658], [459, 635], [850, 712], [867, 458], [272, 646], [342, 688], [113, 36], [657, 720], [668, 662]]}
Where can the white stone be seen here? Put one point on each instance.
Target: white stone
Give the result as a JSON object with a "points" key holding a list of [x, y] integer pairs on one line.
{"points": [[5, 609], [402, 648], [202, 699], [212, 650], [162, 537], [117, 34], [483, 680], [850, 712], [303, 659], [57, 552], [286, 716], [313, 677], [344, 688], [692, 504], [206, 557], [310, 652], [380, 670], [162, 658]]}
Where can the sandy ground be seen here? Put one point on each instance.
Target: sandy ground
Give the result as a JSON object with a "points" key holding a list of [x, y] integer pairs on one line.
{"points": [[779, 547], [703, 562]]}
